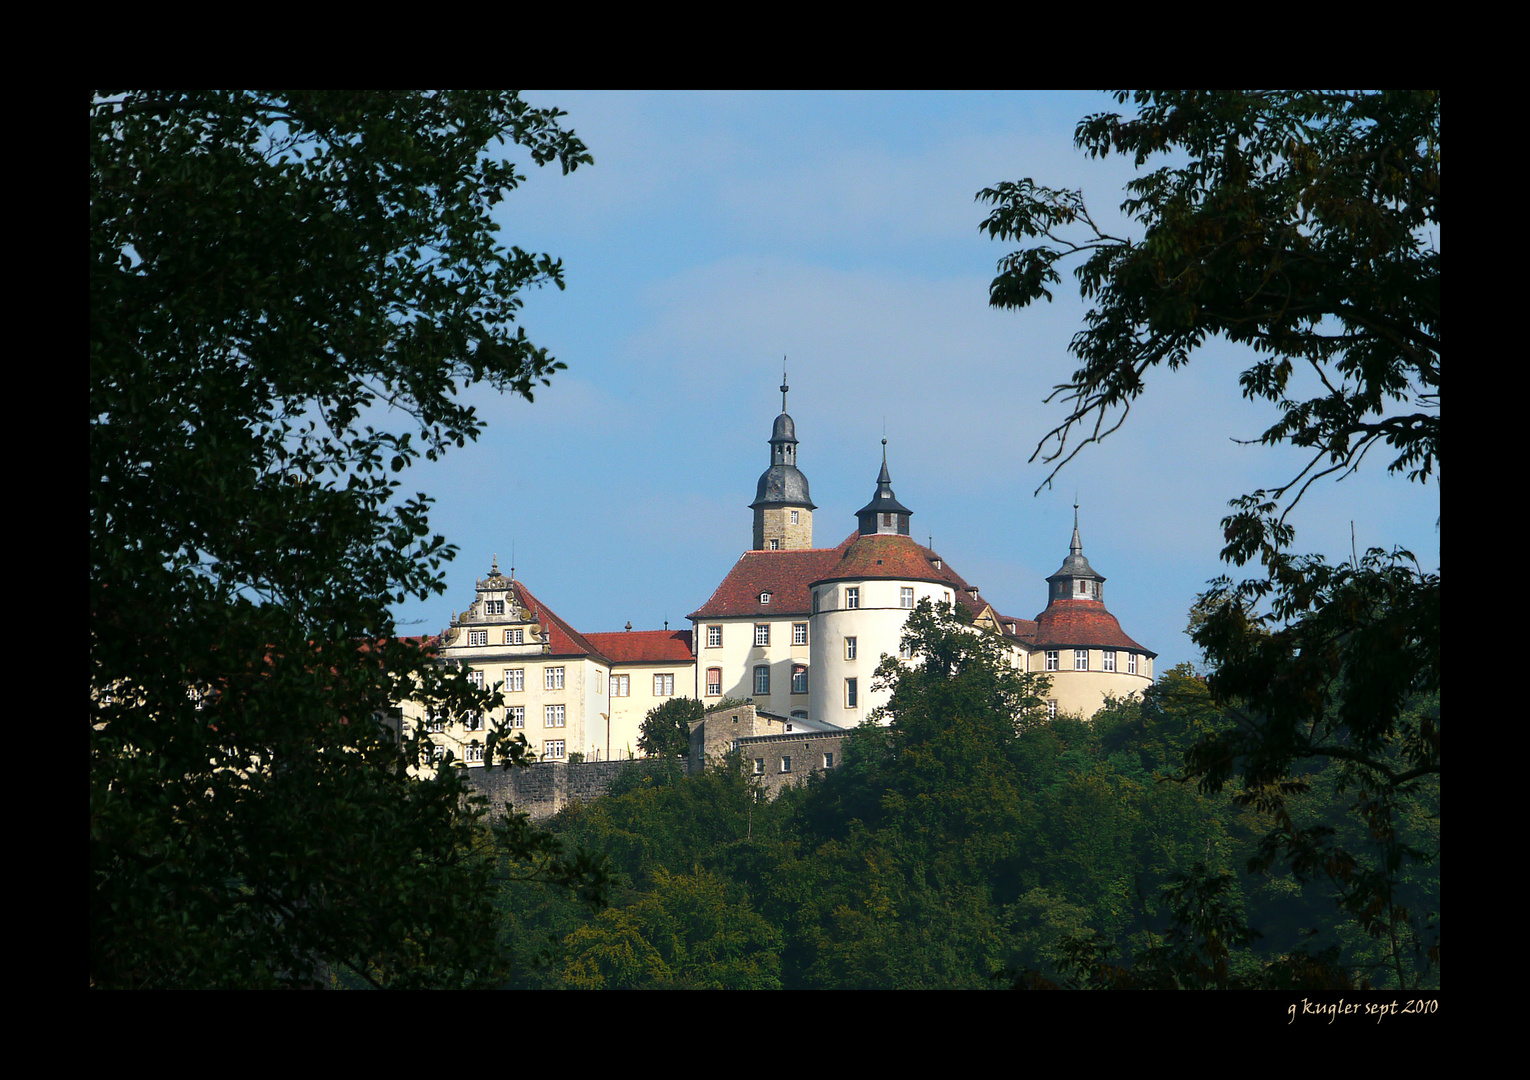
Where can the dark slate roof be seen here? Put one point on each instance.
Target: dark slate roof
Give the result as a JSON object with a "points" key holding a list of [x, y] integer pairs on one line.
{"points": [[1078, 623], [644, 646], [782, 485], [784, 429], [883, 501]]}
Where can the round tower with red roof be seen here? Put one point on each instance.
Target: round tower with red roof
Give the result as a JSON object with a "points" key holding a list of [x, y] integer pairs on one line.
{"points": [[1081, 645]]}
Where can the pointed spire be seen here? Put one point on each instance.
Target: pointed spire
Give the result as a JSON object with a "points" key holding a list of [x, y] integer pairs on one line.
{"points": [[783, 384], [884, 513], [1075, 579]]}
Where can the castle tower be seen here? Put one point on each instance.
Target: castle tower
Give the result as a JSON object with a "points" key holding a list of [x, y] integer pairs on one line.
{"points": [[884, 515], [1075, 579], [783, 509], [1083, 649]]}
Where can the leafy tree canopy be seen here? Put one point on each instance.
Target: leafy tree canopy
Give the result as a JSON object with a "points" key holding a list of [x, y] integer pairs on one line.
{"points": [[1304, 225], [286, 292], [666, 730]]}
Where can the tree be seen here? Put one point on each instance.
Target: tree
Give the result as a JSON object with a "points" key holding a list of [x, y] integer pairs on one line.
{"points": [[1301, 224], [286, 291], [689, 932], [666, 730]]}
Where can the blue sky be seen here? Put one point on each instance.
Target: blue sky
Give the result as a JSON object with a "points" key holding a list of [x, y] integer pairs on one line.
{"points": [[717, 232]]}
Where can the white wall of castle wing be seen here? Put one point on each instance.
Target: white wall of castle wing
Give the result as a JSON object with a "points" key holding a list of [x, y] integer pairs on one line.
{"points": [[876, 624], [1083, 692], [647, 686], [557, 703], [738, 656]]}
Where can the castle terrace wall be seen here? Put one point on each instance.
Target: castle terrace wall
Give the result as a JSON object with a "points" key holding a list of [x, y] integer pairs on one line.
{"points": [[543, 789]]}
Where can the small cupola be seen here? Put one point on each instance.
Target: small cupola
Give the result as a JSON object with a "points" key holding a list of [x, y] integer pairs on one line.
{"points": [[884, 514], [1075, 579]]}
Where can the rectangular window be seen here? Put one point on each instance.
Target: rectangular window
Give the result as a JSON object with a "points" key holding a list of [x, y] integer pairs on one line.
{"points": [[494, 607], [1108, 659], [759, 766], [515, 637], [906, 597], [1051, 659], [1080, 659], [815, 601], [475, 751], [515, 680], [515, 716], [796, 518], [849, 648], [476, 678], [664, 686], [764, 597], [714, 681], [435, 723], [786, 764], [799, 679], [1051, 710], [473, 721], [775, 545], [1131, 663], [762, 680], [762, 633], [554, 715], [552, 678], [714, 637], [828, 761], [478, 637], [621, 685], [799, 633], [905, 652], [600, 682], [852, 694], [852, 598], [553, 748]]}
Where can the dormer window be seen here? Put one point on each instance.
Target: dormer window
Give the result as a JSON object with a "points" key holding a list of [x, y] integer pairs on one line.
{"points": [[764, 597]]}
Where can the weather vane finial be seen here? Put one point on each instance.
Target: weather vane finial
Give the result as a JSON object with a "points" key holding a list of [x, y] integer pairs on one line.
{"points": [[783, 383]]}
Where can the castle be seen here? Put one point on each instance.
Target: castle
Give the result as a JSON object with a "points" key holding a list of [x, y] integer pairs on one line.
{"points": [[795, 629]]}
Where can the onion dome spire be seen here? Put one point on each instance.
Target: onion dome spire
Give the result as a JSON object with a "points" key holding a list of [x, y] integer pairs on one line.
{"points": [[783, 507]]}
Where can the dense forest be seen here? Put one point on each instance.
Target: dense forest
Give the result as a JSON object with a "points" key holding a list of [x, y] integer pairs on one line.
{"points": [[972, 842]]}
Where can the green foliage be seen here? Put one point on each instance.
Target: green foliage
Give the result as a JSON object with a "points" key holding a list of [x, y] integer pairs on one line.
{"points": [[1294, 222], [684, 934], [666, 730], [1302, 225], [269, 274]]}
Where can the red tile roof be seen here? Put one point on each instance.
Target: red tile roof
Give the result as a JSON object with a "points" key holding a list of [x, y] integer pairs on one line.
{"points": [[644, 646], [892, 557], [1082, 624], [562, 638], [783, 574], [789, 575]]}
